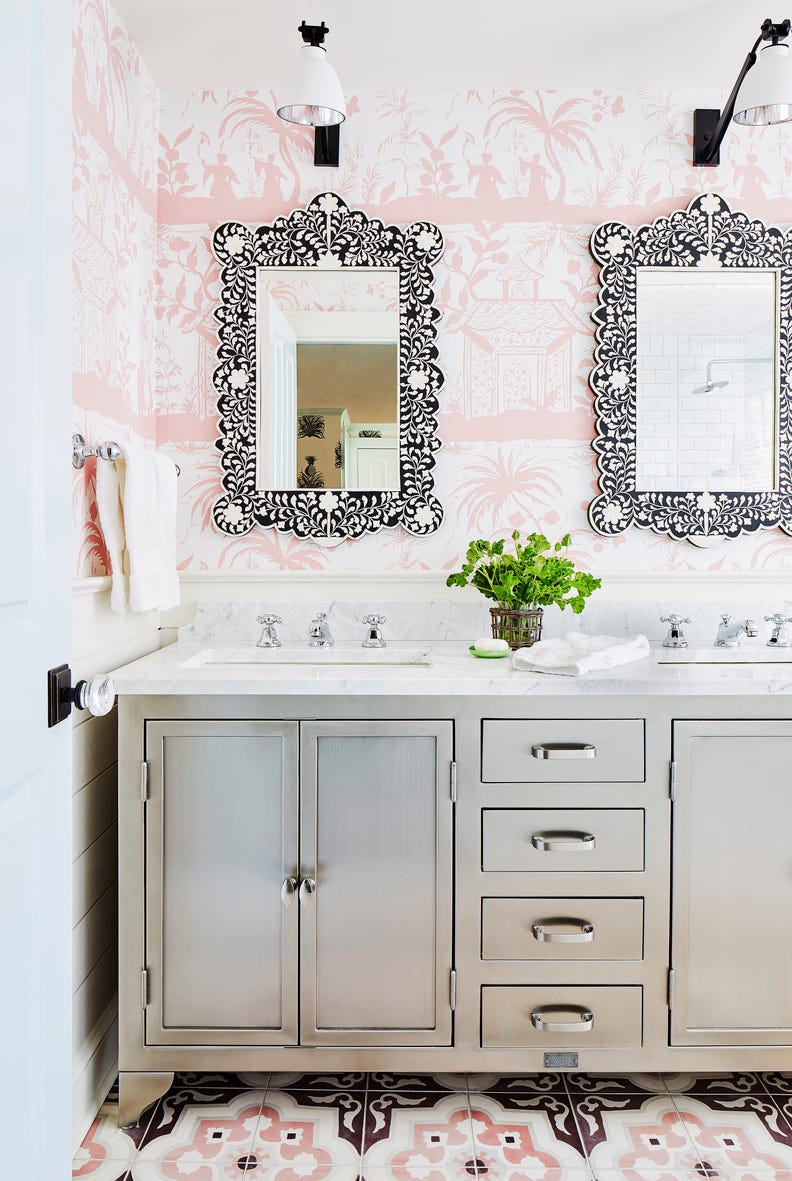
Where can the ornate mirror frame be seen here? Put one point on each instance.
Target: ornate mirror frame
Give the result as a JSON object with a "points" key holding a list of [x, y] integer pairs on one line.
{"points": [[706, 235], [327, 234]]}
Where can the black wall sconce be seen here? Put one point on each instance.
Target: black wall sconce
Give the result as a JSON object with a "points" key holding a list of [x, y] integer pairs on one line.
{"points": [[315, 97], [761, 95]]}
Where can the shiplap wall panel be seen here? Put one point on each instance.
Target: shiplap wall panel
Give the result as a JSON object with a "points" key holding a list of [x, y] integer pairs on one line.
{"points": [[102, 641]]}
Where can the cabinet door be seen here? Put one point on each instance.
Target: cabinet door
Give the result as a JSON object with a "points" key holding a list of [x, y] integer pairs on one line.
{"points": [[221, 843], [376, 837], [732, 881]]}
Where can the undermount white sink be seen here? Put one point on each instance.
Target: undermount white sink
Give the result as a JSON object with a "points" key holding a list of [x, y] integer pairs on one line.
{"points": [[313, 657], [709, 654]]}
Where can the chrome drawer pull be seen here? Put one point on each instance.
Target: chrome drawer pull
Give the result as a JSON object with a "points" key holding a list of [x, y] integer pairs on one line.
{"points": [[583, 1024], [563, 842], [563, 750], [288, 891], [307, 891], [579, 931]]}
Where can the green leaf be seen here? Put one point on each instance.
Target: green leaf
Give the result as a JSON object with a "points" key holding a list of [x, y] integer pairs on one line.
{"points": [[536, 574]]}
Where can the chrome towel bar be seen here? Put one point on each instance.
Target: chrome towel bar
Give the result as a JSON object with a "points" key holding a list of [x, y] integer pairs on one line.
{"points": [[108, 450]]}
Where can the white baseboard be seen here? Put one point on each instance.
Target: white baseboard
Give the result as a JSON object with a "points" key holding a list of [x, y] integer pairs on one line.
{"points": [[94, 1069]]}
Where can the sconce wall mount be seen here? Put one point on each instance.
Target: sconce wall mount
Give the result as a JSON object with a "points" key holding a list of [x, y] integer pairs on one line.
{"points": [[765, 97]]}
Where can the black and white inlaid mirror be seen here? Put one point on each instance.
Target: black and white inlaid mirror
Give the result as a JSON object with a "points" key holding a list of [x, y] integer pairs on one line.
{"points": [[690, 379], [327, 379]]}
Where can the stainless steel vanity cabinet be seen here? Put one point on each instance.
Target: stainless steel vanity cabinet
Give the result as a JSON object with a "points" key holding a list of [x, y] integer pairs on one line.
{"points": [[262, 884], [732, 884], [376, 838]]}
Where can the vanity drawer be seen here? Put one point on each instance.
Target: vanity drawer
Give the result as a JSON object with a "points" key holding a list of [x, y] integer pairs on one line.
{"points": [[562, 928], [555, 1016], [547, 840], [533, 750]]}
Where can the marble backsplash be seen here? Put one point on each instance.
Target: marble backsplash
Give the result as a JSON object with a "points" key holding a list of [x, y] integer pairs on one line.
{"points": [[235, 622]]}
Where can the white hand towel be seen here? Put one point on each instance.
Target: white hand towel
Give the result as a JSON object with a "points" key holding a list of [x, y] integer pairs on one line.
{"points": [[574, 654], [136, 496]]}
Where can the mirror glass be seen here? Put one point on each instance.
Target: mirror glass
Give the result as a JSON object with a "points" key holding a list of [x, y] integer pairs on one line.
{"points": [[328, 371], [706, 413]]}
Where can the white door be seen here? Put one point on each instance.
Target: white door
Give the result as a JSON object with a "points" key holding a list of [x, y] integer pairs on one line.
{"points": [[372, 464], [35, 598], [277, 416]]}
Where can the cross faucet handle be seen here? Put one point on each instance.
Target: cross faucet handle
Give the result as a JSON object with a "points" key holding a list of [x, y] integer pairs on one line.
{"points": [[267, 620], [675, 637], [779, 637], [375, 620]]}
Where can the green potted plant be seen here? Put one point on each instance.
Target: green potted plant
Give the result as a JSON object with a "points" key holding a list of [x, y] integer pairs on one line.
{"points": [[536, 575]]}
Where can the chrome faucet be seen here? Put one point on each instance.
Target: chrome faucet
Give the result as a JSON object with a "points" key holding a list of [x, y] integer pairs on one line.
{"points": [[675, 637], [319, 634], [780, 636], [269, 636], [730, 634], [374, 637]]}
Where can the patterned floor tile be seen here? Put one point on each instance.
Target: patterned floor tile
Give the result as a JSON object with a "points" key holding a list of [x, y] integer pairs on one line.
{"points": [[381, 1105], [525, 1135], [203, 1138], [107, 1151], [740, 1083], [537, 1084], [419, 1136], [777, 1081], [736, 1133], [381, 1080], [206, 1081], [625, 1084], [635, 1133], [352, 1080], [173, 1105], [327, 1124]]}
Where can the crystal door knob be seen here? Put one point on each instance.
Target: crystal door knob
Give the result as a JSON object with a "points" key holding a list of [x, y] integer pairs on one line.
{"points": [[96, 695]]}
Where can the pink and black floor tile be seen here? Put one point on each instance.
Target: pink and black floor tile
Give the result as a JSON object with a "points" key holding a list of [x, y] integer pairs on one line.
{"points": [[419, 1137], [530, 1137], [635, 1132], [342, 1107], [736, 1134], [740, 1083], [200, 1139], [623, 1084], [536, 1084]]}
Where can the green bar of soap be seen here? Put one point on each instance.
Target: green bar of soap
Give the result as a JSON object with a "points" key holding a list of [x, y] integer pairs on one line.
{"points": [[487, 644]]}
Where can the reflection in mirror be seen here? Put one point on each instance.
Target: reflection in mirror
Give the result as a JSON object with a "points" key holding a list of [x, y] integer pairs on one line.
{"points": [[706, 413], [328, 365]]}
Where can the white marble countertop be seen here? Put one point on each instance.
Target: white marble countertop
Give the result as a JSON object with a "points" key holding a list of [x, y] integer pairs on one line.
{"points": [[442, 669]]}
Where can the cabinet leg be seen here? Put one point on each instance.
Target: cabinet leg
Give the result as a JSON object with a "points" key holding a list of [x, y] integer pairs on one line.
{"points": [[137, 1091]]}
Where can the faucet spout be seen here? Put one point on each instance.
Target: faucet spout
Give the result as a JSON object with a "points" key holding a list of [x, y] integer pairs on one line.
{"points": [[730, 633]]}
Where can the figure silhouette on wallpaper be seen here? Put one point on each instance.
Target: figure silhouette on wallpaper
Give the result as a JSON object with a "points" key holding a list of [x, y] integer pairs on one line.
{"points": [[221, 175], [752, 177], [538, 176], [273, 175], [486, 177]]}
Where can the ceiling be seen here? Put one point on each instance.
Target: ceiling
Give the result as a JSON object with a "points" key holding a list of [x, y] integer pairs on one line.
{"points": [[433, 44]]}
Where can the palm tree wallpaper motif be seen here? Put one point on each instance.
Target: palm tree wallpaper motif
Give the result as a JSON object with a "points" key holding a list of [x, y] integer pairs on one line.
{"points": [[369, 434], [339, 457], [516, 180], [310, 426], [309, 477]]}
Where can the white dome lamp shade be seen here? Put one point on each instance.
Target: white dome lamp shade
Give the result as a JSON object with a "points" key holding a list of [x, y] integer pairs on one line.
{"points": [[762, 94], [315, 98]]}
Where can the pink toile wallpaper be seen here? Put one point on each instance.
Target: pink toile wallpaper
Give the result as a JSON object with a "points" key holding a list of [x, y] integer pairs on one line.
{"points": [[516, 182]]}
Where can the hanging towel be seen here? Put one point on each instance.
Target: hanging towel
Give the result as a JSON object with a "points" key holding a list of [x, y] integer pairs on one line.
{"points": [[574, 654], [136, 497]]}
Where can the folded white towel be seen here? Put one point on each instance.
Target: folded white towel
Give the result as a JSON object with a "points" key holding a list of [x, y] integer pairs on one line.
{"points": [[574, 654], [136, 497]]}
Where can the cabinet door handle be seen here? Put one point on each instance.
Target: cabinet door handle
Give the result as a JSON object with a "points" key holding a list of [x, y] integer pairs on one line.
{"points": [[288, 891], [563, 750], [307, 891], [578, 931], [563, 842], [547, 1020]]}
